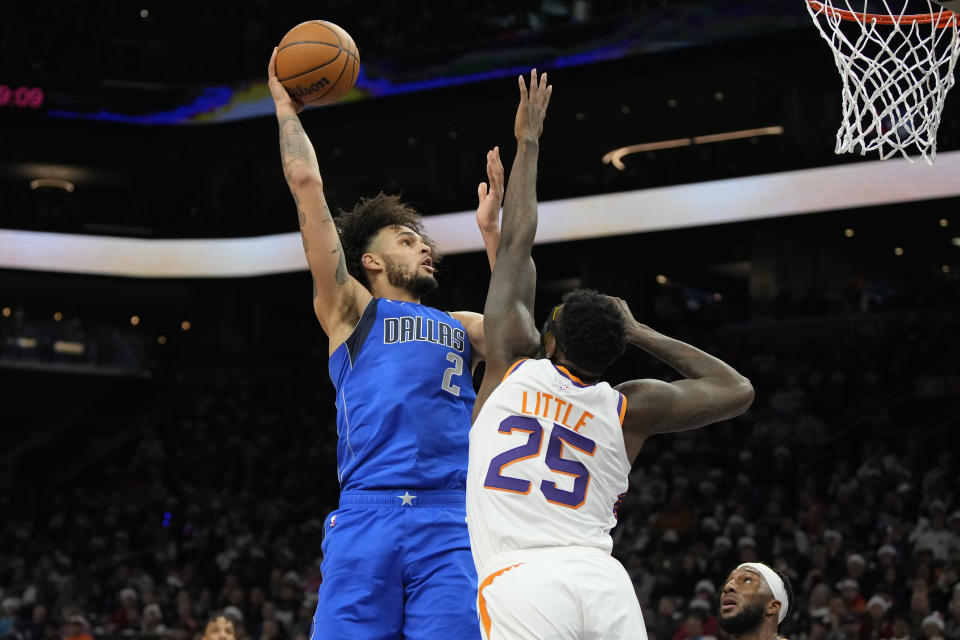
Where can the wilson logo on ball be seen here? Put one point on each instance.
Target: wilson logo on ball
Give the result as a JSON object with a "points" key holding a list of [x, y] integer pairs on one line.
{"points": [[301, 91]]}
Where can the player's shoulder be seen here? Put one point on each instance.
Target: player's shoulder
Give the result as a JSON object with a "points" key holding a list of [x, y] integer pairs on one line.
{"points": [[465, 317], [530, 365]]}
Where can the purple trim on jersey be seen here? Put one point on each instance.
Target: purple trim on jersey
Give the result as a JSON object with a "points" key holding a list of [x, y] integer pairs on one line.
{"points": [[618, 504], [516, 365], [569, 376]]}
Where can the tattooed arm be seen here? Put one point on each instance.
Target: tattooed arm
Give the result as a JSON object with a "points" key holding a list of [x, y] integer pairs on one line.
{"points": [[338, 299]]}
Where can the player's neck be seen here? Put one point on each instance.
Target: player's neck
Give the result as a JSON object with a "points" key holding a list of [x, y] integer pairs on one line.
{"points": [[560, 361], [762, 632], [390, 292]]}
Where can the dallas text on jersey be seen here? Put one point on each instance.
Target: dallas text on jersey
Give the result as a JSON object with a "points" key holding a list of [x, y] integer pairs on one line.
{"points": [[410, 328]]}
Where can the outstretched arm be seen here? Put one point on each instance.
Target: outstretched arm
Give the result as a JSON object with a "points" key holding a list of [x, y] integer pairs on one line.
{"points": [[508, 325], [491, 199], [711, 391], [338, 299]]}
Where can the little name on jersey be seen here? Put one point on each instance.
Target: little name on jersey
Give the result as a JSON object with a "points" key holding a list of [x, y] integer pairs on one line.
{"points": [[544, 405], [415, 328]]}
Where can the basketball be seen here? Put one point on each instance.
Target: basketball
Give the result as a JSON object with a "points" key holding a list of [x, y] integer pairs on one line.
{"points": [[317, 62], [952, 5]]}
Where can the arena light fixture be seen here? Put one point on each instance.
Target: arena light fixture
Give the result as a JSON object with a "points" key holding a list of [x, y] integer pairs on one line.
{"points": [[616, 156], [52, 183], [68, 347]]}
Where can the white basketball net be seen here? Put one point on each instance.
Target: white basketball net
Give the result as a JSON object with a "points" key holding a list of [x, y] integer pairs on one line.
{"points": [[895, 76]]}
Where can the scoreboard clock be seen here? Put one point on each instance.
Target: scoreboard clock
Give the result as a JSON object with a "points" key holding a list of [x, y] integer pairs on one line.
{"points": [[21, 97]]}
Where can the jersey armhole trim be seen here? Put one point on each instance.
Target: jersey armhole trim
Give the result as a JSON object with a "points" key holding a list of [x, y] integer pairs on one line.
{"points": [[360, 332], [622, 407], [513, 367]]}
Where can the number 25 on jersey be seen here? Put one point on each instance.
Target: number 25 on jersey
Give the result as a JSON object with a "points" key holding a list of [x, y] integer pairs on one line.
{"points": [[554, 460]]}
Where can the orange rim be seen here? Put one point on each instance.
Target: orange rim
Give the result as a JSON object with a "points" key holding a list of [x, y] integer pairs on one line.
{"points": [[941, 19]]}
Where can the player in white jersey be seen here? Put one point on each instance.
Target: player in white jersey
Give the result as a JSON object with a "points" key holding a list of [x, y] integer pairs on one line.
{"points": [[551, 444]]}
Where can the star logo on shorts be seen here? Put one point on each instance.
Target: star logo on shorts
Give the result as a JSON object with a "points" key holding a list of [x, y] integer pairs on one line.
{"points": [[407, 499]]}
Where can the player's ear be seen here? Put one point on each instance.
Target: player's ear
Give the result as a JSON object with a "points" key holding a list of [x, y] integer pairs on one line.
{"points": [[549, 347], [372, 262], [773, 608]]}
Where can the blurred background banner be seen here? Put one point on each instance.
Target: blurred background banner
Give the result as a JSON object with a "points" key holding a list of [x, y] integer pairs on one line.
{"points": [[676, 207]]}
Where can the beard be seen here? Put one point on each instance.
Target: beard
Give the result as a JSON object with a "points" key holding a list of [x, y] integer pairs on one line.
{"points": [[748, 619], [415, 283]]}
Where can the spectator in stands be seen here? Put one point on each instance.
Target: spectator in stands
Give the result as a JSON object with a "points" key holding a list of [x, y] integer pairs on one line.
{"points": [[819, 628], [10, 606], [33, 629], [692, 628], [952, 625], [901, 627], [875, 623], [933, 534], [919, 606], [152, 621], [662, 623], [850, 592], [77, 628], [933, 627]]}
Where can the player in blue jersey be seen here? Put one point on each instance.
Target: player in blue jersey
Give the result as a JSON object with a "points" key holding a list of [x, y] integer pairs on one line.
{"points": [[397, 561]]}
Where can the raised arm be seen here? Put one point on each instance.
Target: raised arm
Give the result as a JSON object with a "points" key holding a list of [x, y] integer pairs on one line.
{"points": [[711, 391], [491, 199], [509, 329], [338, 299]]}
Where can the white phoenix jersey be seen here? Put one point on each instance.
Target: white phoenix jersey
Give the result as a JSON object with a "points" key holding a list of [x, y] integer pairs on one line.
{"points": [[548, 465]]}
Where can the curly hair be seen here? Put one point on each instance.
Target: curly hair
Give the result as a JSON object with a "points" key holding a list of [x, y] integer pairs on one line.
{"points": [[359, 226], [788, 587], [591, 331]]}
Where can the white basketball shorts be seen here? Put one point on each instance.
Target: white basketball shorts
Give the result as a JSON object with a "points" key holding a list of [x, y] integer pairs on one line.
{"points": [[558, 593]]}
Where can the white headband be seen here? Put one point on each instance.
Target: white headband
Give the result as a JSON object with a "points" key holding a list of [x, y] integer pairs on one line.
{"points": [[774, 582]]}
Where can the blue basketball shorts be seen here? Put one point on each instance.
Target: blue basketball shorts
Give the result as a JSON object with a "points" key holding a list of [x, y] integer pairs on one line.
{"points": [[397, 565]]}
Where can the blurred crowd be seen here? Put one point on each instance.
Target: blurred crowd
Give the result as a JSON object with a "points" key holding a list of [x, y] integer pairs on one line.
{"points": [[55, 340], [841, 475]]}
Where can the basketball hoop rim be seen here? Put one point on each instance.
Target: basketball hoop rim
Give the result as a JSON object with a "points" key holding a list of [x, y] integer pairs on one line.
{"points": [[941, 20]]}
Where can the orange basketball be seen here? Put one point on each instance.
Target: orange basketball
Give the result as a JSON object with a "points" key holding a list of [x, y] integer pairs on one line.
{"points": [[317, 62]]}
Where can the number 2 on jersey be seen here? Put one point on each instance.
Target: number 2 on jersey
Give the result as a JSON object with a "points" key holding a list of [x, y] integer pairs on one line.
{"points": [[554, 460], [455, 370]]}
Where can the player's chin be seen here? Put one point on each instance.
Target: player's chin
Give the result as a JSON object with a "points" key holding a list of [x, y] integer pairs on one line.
{"points": [[423, 284], [726, 613]]}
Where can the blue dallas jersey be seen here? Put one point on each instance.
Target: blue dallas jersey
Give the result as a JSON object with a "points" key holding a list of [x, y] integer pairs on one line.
{"points": [[404, 399]]}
